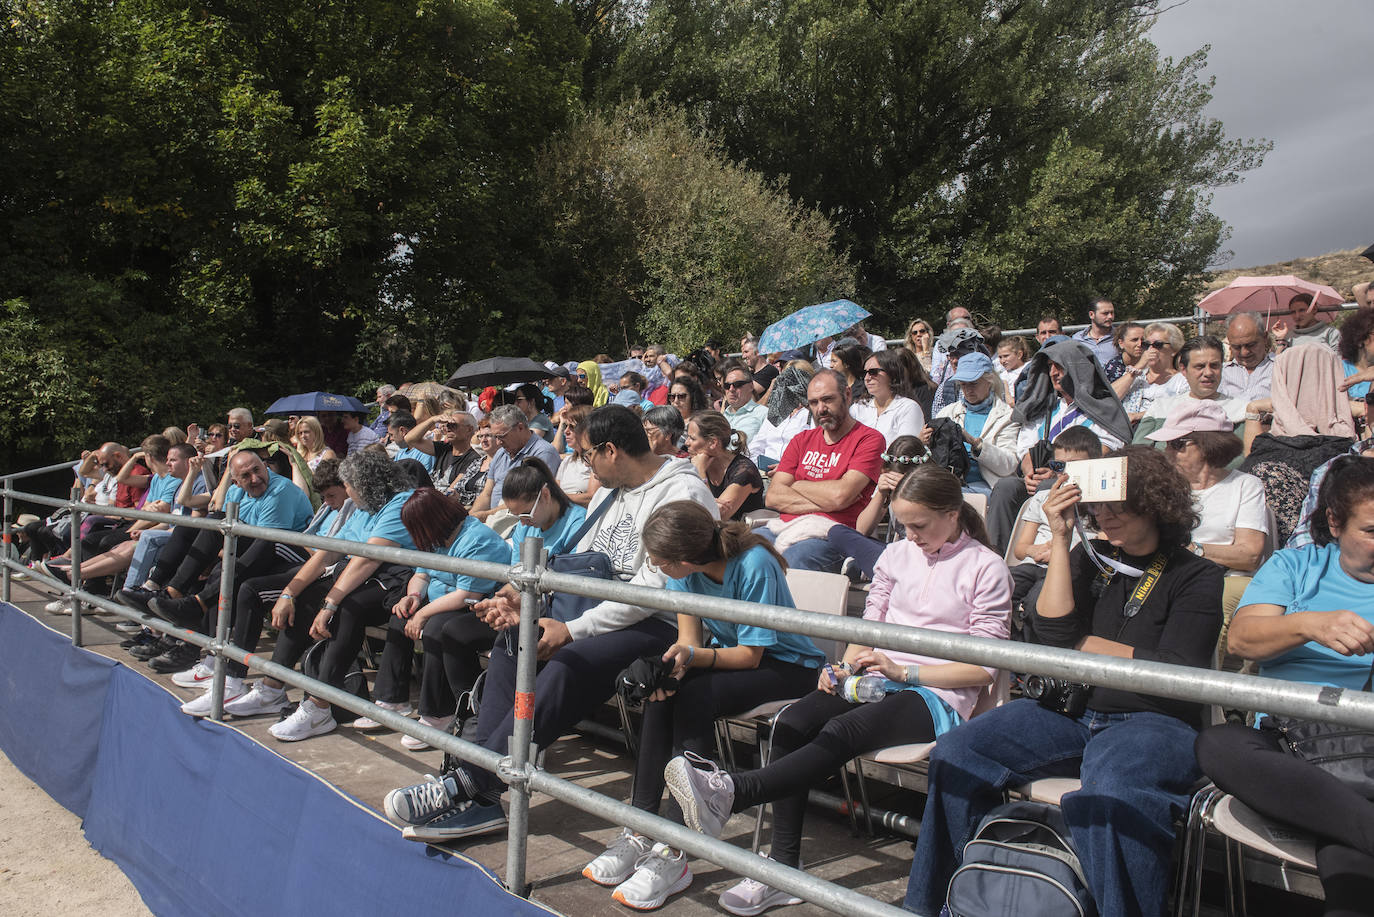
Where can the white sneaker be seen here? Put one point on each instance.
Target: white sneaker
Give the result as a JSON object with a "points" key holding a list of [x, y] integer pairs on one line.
{"points": [[234, 688], [262, 699], [440, 723], [751, 897], [367, 722], [658, 874], [618, 862], [58, 607], [128, 627], [197, 675], [310, 719]]}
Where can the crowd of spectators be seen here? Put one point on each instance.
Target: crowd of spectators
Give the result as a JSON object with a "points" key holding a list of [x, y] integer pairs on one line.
{"points": [[932, 473]]}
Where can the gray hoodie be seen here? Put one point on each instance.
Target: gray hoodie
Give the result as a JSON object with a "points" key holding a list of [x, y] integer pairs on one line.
{"points": [[616, 534]]}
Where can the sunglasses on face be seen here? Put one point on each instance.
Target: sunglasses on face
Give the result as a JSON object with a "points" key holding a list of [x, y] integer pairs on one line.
{"points": [[234, 424], [873, 372], [1178, 445], [679, 396], [738, 384], [1158, 345], [1093, 510], [216, 435], [528, 518]]}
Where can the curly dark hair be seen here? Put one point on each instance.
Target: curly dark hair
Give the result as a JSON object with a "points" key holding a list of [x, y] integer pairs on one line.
{"points": [[1349, 482], [1356, 328], [1156, 490]]}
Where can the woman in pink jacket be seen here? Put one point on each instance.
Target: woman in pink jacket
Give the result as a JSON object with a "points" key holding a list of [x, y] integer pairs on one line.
{"points": [[944, 577]]}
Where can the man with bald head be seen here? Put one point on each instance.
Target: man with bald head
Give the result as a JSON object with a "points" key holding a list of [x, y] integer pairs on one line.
{"points": [[1247, 375], [175, 591]]}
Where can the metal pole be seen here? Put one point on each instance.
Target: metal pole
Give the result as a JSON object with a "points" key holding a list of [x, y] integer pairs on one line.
{"points": [[76, 565], [9, 540], [228, 557], [526, 660]]}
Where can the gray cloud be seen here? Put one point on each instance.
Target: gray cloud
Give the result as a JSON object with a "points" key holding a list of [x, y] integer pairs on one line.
{"points": [[1296, 74]]}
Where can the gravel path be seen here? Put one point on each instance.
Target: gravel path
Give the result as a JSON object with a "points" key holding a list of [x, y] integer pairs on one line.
{"points": [[46, 866]]}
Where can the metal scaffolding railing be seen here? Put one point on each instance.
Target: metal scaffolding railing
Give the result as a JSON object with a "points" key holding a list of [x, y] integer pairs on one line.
{"points": [[533, 578]]}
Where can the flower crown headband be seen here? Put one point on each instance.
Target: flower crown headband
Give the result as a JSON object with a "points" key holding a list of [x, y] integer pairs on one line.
{"points": [[905, 459]]}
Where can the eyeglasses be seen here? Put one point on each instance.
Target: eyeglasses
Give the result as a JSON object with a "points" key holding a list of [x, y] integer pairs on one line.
{"points": [[873, 372], [218, 434], [591, 451], [1093, 510], [528, 518], [1178, 445], [679, 396], [582, 377], [745, 383], [1056, 466], [235, 424], [501, 437], [1158, 345], [919, 331]]}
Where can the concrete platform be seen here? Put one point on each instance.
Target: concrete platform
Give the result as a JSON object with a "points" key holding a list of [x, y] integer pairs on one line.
{"points": [[562, 839]]}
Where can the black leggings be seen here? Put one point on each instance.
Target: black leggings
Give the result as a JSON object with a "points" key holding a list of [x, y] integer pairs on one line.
{"points": [[452, 642], [812, 740], [1251, 765], [362, 608], [687, 720], [254, 602]]}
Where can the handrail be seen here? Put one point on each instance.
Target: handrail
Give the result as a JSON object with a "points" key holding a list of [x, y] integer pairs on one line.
{"points": [[531, 577], [33, 472]]}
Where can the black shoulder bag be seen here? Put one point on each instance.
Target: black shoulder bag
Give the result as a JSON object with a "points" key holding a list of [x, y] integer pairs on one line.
{"points": [[563, 606], [1344, 752]]}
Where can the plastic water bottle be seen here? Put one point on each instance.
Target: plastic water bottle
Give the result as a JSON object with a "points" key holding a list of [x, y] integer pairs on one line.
{"points": [[864, 689]]}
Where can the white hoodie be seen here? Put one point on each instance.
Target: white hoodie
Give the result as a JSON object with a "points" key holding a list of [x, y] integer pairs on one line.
{"points": [[617, 535]]}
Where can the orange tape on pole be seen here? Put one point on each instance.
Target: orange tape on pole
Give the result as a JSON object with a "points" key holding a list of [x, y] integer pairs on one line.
{"points": [[524, 705]]}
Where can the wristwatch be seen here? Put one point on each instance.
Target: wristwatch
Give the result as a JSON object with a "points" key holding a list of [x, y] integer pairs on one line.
{"points": [[1195, 548]]}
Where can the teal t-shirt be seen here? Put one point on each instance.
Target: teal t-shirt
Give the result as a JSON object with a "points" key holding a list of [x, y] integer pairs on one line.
{"points": [[386, 522], [424, 458], [163, 487], [753, 576], [557, 540], [474, 541], [1311, 579], [282, 506]]}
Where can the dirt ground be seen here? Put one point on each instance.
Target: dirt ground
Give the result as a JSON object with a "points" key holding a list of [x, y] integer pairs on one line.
{"points": [[46, 866]]}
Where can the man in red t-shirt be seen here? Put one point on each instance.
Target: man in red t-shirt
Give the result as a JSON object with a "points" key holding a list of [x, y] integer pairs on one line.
{"points": [[829, 470]]}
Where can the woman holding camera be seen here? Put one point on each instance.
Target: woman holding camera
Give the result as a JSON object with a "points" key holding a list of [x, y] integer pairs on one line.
{"points": [[1153, 600], [943, 576], [721, 669]]}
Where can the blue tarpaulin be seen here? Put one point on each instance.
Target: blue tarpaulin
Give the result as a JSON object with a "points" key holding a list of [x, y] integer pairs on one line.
{"points": [[201, 818]]}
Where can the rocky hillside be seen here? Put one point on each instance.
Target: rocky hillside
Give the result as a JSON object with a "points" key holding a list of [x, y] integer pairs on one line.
{"points": [[1341, 270]]}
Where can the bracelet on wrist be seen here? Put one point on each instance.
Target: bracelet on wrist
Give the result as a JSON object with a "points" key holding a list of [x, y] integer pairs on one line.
{"points": [[331, 605], [913, 675], [691, 654], [289, 597], [713, 657]]}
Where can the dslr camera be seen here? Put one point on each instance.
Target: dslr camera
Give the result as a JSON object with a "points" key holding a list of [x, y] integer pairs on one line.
{"points": [[1067, 697]]}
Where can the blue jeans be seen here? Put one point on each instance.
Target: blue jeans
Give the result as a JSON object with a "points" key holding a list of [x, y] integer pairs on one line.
{"points": [[145, 556], [1137, 769], [815, 554]]}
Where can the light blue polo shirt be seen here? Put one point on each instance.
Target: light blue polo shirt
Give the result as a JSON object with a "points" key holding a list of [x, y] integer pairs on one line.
{"points": [[474, 541]]}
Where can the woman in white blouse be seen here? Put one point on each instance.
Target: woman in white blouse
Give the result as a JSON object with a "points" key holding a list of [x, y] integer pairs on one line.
{"points": [[889, 408]]}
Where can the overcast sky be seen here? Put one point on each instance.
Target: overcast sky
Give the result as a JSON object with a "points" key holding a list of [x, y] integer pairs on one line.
{"points": [[1301, 75]]}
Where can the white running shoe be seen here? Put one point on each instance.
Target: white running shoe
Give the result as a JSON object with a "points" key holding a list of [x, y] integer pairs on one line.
{"points": [[618, 862], [197, 675], [262, 699], [234, 688], [440, 723], [58, 607], [751, 897], [704, 791], [658, 874], [310, 719], [367, 722]]}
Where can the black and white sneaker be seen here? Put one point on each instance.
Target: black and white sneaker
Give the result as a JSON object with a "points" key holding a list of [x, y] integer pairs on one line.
{"points": [[182, 656], [146, 651], [420, 803]]}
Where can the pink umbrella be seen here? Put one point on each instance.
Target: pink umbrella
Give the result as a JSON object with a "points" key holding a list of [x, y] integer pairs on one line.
{"points": [[1270, 295]]}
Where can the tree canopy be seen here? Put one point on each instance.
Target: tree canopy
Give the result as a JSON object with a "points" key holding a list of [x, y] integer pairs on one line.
{"points": [[232, 200]]}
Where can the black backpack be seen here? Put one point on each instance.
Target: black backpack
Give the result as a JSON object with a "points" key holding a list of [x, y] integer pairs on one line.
{"points": [[1020, 862], [947, 446]]}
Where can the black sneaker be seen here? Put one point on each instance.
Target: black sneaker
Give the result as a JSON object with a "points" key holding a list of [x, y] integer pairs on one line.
{"points": [[138, 597], [183, 612], [142, 638], [57, 572], [177, 659], [147, 651]]}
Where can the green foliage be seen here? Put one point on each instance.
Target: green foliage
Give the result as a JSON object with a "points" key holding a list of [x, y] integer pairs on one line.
{"points": [[660, 237], [211, 204], [1007, 156]]}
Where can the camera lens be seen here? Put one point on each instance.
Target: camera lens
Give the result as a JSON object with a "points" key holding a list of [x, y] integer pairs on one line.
{"points": [[1035, 686]]}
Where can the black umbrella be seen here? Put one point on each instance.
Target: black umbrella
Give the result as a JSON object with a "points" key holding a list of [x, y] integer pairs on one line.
{"points": [[1368, 253], [498, 371]]}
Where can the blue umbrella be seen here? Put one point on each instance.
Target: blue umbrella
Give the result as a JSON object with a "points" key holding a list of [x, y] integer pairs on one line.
{"points": [[315, 402], [809, 325]]}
